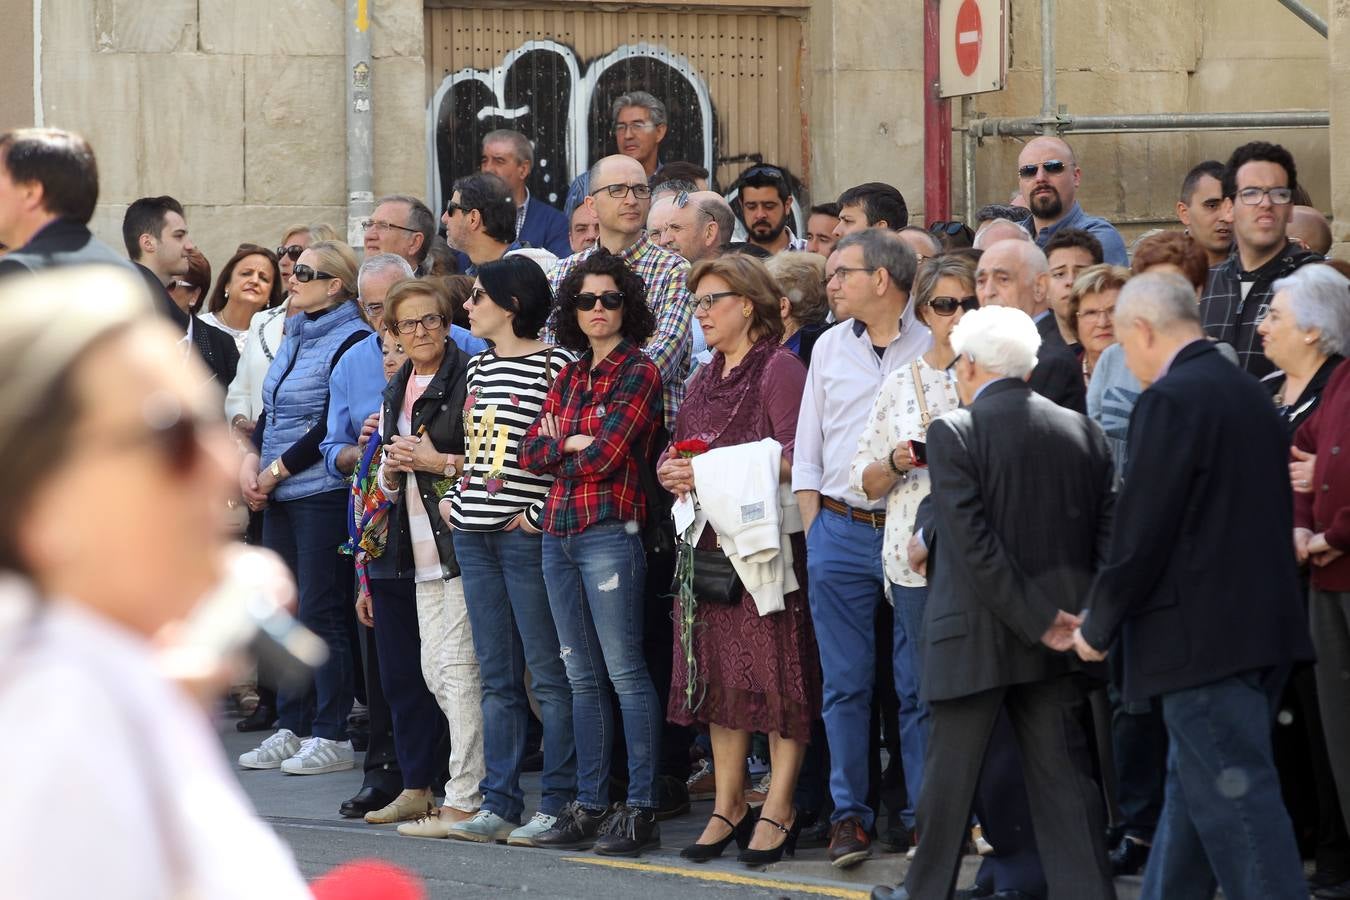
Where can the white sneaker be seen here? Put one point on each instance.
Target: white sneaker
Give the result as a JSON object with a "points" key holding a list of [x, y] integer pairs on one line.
{"points": [[524, 835], [272, 752], [485, 827], [318, 755]]}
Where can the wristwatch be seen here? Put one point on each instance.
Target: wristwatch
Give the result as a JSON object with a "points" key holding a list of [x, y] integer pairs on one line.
{"points": [[450, 468], [276, 469]]}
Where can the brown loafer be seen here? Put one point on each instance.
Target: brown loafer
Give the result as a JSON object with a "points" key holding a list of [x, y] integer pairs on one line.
{"points": [[849, 843], [402, 808]]}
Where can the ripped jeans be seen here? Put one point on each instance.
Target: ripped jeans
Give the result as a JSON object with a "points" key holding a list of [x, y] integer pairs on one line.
{"points": [[595, 588]]}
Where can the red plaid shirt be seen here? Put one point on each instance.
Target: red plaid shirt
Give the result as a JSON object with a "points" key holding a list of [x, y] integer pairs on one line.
{"points": [[619, 404]]}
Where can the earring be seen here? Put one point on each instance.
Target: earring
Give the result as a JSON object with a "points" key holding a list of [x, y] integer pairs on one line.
{"points": [[227, 293], [745, 312]]}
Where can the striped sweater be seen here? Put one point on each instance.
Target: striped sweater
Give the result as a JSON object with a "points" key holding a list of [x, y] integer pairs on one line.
{"points": [[505, 395]]}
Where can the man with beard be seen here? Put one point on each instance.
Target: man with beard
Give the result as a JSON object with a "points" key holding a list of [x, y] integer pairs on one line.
{"points": [[1201, 209], [1049, 177], [765, 202]]}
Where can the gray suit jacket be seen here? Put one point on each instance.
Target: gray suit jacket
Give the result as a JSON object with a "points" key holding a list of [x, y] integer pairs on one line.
{"points": [[1022, 502]]}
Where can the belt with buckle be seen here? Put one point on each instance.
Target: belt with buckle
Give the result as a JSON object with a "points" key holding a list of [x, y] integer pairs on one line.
{"points": [[877, 518]]}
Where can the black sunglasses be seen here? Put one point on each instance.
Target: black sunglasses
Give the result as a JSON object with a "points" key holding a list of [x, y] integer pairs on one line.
{"points": [[767, 171], [947, 228], [291, 250], [947, 306], [610, 300], [451, 207], [1051, 167], [305, 274], [175, 436]]}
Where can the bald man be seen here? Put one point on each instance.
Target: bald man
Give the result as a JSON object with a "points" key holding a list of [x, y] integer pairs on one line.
{"points": [[658, 216], [1015, 273], [1048, 176], [995, 230], [1310, 228], [699, 229]]}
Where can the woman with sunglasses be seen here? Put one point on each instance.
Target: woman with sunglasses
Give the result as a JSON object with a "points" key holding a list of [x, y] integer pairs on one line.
{"points": [[599, 417], [754, 672], [496, 510], [248, 284], [890, 463], [108, 403], [422, 629], [306, 507]]}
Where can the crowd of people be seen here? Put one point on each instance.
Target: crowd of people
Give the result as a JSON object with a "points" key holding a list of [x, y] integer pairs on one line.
{"points": [[992, 536]]}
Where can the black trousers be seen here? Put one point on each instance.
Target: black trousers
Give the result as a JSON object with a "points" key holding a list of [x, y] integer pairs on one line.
{"points": [[382, 771], [1066, 806]]}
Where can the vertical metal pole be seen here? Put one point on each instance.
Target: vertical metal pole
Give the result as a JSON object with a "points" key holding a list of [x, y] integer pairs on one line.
{"points": [[1047, 65], [968, 144], [360, 119], [937, 125]]}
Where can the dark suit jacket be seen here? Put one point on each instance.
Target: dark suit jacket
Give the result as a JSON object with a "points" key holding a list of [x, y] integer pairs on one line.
{"points": [[60, 243], [545, 227], [216, 348], [1200, 581], [1058, 377], [1022, 499]]}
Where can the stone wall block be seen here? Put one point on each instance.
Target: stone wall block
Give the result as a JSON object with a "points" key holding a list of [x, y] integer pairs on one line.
{"points": [[294, 130], [398, 28], [267, 28], [880, 35], [400, 126], [192, 142], [885, 116], [98, 95], [133, 26]]}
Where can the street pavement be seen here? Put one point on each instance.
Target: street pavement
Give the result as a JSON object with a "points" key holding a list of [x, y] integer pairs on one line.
{"points": [[303, 810]]}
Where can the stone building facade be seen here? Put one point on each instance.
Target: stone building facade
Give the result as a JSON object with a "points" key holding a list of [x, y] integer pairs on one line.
{"points": [[237, 106]]}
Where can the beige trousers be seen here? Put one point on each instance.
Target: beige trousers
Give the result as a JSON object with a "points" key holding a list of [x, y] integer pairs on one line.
{"points": [[450, 668]]}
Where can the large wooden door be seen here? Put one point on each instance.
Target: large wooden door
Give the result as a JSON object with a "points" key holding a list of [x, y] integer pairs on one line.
{"points": [[733, 81]]}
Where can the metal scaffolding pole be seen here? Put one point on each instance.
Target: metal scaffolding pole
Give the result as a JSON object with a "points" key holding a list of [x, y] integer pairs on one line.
{"points": [[968, 142], [1299, 9], [1047, 64], [1065, 123]]}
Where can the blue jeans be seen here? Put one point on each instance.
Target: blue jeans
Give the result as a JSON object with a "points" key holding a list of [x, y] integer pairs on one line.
{"points": [[512, 628], [595, 588], [907, 654], [843, 565], [1223, 819], [307, 533]]}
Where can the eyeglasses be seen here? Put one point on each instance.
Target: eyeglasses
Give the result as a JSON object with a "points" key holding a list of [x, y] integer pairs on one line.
{"points": [[622, 127], [763, 171], [842, 272], [1251, 196], [477, 296], [374, 311], [1051, 167], [382, 227], [171, 431], [183, 285], [948, 228], [430, 322], [291, 250], [610, 300], [1103, 315], [618, 191], [305, 274], [947, 306], [452, 207], [706, 301]]}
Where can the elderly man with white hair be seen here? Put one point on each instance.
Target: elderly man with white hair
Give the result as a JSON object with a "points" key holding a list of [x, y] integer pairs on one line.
{"points": [[1021, 497], [1199, 584]]}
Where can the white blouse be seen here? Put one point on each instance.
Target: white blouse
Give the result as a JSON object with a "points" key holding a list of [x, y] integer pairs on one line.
{"points": [[91, 724], [895, 419]]}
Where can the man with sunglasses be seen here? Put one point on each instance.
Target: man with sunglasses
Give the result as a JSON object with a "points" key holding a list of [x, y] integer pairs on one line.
{"points": [[1259, 182], [765, 201], [480, 220], [1049, 179]]}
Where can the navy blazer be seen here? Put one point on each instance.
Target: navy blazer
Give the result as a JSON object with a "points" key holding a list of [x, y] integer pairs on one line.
{"points": [[545, 227], [1022, 499], [1200, 581]]}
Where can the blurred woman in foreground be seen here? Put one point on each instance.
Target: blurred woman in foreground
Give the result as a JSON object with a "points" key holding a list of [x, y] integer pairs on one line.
{"points": [[117, 469]]}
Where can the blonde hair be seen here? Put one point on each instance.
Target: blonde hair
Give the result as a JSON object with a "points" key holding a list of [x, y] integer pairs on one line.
{"points": [[1095, 280], [338, 260], [801, 276]]}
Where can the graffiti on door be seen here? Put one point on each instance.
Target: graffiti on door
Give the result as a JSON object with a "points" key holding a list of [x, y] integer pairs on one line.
{"points": [[563, 106]]}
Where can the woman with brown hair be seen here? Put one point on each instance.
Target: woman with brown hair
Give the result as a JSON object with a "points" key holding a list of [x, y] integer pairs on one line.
{"points": [[1092, 306], [753, 672], [188, 291], [249, 283]]}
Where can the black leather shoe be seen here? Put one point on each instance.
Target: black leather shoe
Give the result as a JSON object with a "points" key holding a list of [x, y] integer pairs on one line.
{"points": [[261, 719], [368, 799], [628, 831], [976, 891], [815, 836], [575, 829], [849, 843], [672, 798], [1129, 857], [1333, 892]]}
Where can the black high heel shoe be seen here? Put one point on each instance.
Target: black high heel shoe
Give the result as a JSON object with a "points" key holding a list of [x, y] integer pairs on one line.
{"points": [[740, 832], [789, 845]]}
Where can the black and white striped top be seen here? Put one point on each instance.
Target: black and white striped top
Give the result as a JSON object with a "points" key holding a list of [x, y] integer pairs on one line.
{"points": [[504, 397]]}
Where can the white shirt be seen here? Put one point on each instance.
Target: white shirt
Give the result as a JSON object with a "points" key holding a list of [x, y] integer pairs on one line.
{"points": [[841, 384], [895, 419], [239, 334], [93, 725], [265, 332]]}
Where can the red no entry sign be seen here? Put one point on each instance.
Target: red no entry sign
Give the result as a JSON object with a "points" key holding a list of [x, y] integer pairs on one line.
{"points": [[968, 37]]}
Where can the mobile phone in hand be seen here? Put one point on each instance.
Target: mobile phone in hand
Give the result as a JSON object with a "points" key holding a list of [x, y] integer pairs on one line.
{"points": [[919, 451]]}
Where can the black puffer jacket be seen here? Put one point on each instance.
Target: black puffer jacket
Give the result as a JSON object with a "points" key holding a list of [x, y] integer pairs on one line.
{"points": [[441, 410]]}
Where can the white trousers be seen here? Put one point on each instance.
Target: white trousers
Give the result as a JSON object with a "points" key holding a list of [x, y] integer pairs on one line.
{"points": [[450, 668]]}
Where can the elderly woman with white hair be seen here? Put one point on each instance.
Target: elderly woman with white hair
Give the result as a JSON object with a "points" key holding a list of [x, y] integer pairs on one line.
{"points": [[1304, 334]]}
